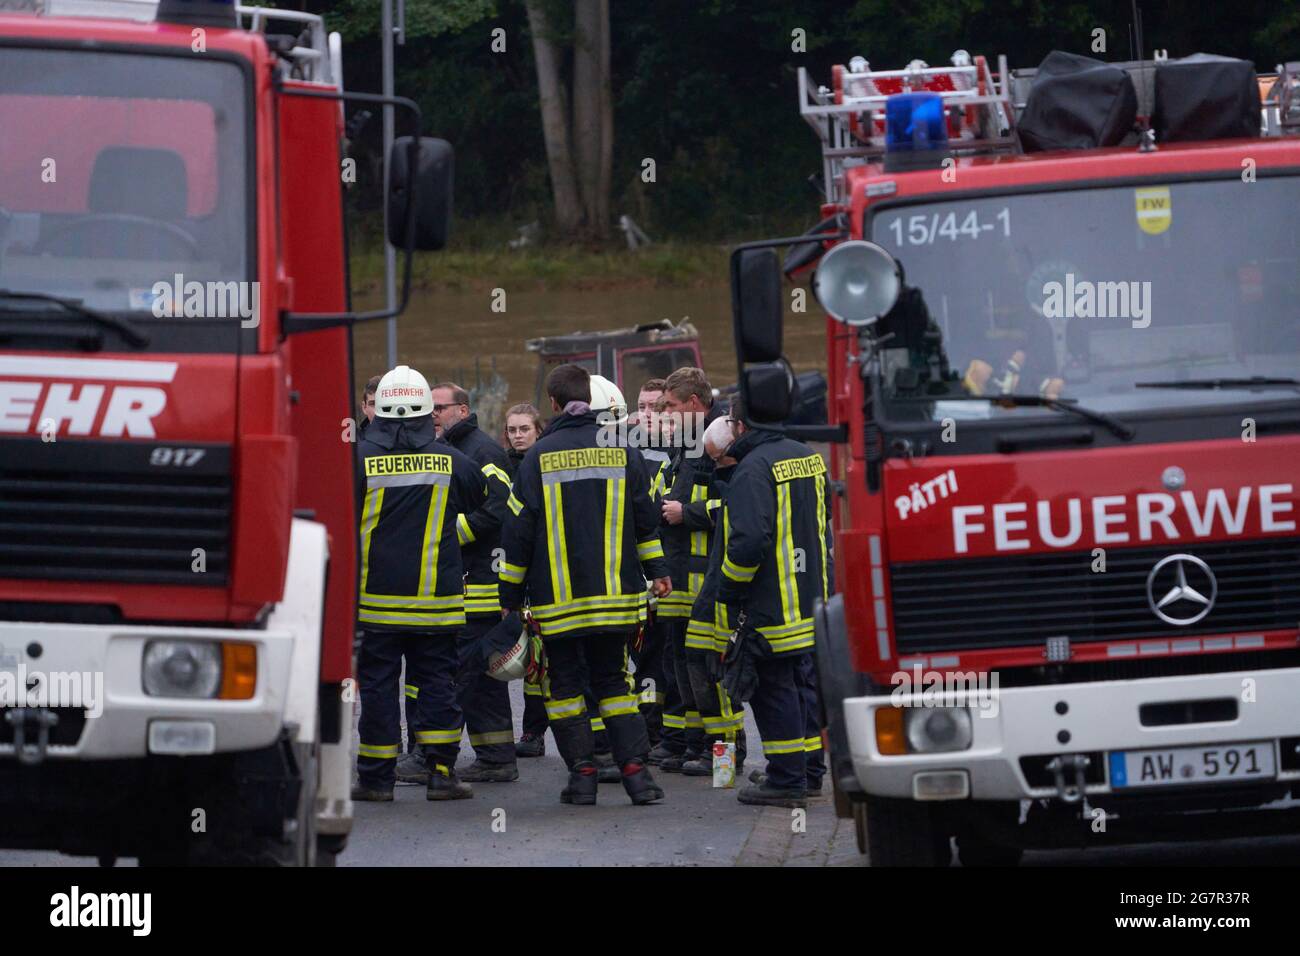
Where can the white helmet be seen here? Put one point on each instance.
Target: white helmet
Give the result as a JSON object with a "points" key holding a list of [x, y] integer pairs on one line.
{"points": [[403, 393], [607, 397], [511, 664]]}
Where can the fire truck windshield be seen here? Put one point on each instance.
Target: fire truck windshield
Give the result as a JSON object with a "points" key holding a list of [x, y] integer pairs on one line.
{"points": [[122, 177], [1085, 293]]}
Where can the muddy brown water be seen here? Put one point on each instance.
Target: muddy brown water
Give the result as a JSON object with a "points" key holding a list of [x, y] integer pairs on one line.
{"points": [[456, 336]]}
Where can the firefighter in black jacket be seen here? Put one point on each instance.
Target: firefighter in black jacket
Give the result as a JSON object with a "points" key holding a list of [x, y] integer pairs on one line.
{"points": [[776, 563], [688, 508], [485, 700], [580, 543], [412, 601]]}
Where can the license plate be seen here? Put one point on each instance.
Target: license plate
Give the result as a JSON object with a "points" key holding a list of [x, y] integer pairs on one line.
{"points": [[1180, 765]]}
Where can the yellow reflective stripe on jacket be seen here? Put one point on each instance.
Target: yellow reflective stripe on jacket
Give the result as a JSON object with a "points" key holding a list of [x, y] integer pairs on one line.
{"points": [[699, 636], [400, 601], [464, 533], [823, 522], [492, 471], [492, 737], [622, 706], [413, 618], [738, 573], [439, 736], [598, 602], [614, 534], [512, 573], [556, 546], [568, 707], [785, 560], [649, 550], [432, 533], [379, 751], [369, 518], [532, 690], [411, 691], [514, 504], [602, 619], [771, 747]]}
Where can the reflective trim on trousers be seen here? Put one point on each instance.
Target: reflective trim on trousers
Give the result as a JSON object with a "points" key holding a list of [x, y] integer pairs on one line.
{"points": [[379, 751], [439, 736], [618, 706], [771, 747], [569, 707], [492, 737]]}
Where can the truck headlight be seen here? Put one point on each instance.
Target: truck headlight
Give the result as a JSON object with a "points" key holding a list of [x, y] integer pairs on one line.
{"points": [[182, 669], [937, 729]]}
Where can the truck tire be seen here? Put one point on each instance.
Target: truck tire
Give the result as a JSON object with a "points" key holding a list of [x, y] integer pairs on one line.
{"points": [[894, 832]]}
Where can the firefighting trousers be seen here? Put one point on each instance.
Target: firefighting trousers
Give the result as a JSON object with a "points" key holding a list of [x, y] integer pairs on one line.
{"points": [[696, 739], [806, 680], [649, 676], [485, 700], [600, 660], [536, 721], [673, 736], [431, 663], [534, 710], [781, 713]]}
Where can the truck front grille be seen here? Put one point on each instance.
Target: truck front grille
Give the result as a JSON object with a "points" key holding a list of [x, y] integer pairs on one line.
{"points": [[99, 511], [1015, 601]]}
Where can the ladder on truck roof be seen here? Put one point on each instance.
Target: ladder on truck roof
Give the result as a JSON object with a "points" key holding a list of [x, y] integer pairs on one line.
{"points": [[983, 107], [306, 51]]}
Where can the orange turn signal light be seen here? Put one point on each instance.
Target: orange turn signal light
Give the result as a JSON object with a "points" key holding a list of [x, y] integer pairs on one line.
{"points": [[889, 731], [238, 671]]}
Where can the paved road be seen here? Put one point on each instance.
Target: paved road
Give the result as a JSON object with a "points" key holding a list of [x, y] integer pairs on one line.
{"points": [[524, 824]]}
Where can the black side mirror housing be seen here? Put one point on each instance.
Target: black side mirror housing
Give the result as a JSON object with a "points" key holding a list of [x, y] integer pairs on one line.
{"points": [[756, 304], [432, 179], [768, 392]]}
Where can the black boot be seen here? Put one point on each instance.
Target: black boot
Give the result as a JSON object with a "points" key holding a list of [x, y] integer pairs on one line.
{"points": [[698, 766], [638, 783], [531, 745], [362, 793], [659, 753], [606, 770], [411, 768], [764, 795], [581, 790], [444, 785], [480, 771]]}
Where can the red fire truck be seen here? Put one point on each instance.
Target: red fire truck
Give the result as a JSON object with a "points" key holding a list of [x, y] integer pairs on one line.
{"points": [[177, 529], [1062, 354]]}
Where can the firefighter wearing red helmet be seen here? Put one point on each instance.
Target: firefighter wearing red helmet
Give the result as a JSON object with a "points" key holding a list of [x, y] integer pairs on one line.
{"points": [[412, 603]]}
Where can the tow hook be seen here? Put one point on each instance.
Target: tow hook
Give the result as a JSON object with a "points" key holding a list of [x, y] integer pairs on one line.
{"points": [[1060, 766], [27, 719]]}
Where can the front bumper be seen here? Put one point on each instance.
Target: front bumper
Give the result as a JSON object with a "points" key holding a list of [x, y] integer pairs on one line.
{"points": [[1101, 716], [112, 658]]}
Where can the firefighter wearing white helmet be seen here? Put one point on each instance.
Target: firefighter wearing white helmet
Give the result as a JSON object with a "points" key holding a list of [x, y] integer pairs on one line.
{"points": [[606, 397], [403, 393], [412, 490]]}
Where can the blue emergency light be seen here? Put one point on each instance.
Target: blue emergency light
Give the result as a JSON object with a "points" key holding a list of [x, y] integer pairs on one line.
{"points": [[916, 131]]}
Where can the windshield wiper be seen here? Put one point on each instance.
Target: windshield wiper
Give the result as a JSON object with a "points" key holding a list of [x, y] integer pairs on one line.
{"points": [[1257, 382], [74, 307], [1117, 427]]}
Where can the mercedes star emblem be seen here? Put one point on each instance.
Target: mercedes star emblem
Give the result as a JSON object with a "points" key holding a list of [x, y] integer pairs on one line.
{"points": [[1181, 589]]}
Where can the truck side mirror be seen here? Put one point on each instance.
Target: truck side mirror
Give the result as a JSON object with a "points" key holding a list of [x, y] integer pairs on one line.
{"points": [[756, 304], [768, 392], [432, 179]]}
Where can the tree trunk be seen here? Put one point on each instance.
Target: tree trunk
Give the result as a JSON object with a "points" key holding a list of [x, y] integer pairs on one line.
{"points": [[592, 111], [555, 120]]}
